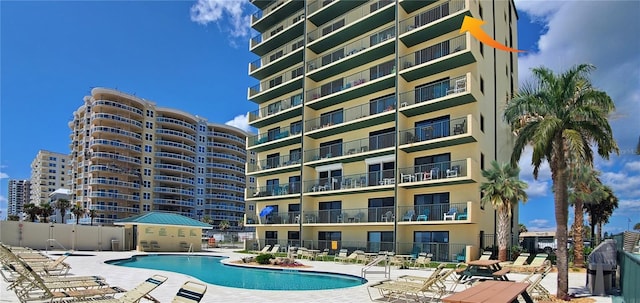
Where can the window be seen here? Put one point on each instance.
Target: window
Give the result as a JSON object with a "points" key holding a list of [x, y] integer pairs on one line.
{"points": [[147, 160], [481, 123], [433, 206], [146, 196], [200, 180], [331, 118], [481, 161], [297, 45], [382, 36], [432, 129], [435, 165], [481, 85], [147, 172], [382, 70], [293, 237], [331, 87], [252, 180], [273, 187], [149, 125], [200, 191], [382, 104], [332, 57], [378, 207], [432, 90], [433, 242], [330, 179], [275, 56], [271, 237], [297, 72], [382, 138], [146, 184], [331, 149], [338, 24], [295, 155], [146, 207], [380, 241], [148, 148], [148, 137], [296, 127], [274, 107], [379, 173], [273, 134], [325, 238], [273, 161], [275, 81], [294, 185], [201, 170], [328, 212], [149, 113]]}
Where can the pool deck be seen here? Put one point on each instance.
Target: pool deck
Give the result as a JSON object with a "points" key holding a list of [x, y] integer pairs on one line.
{"points": [[130, 277]]}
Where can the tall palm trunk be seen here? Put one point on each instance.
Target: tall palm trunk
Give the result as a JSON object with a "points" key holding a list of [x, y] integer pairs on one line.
{"points": [[578, 234], [561, 197], [503, 237]]}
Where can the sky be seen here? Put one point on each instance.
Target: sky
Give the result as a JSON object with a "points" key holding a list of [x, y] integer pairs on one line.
{"points": [[193, 56]]}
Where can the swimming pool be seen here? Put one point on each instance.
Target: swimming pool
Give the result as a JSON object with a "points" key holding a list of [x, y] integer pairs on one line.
{"points": [[209, 269]]}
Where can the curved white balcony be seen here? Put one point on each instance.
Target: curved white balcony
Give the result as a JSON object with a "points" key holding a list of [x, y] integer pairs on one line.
{"points": [[174, 202], [225, 187], [223, 196], [114, 143], [111, 156], [176, 122], [227, 136], [171, 190], [106, 194], [226, 157], [117, 105], [175, 156], [175, 134], [114, 169], [173, 179], [115, 131], [228, 147], [172, 144], [175, 168], [226, 167], [116, 118], [226, 177], [111, 182]]}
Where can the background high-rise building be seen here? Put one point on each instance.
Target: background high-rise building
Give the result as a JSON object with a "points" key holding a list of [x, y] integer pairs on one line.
{"points": [[49, 172], [130, 157], [375, 119], [19, 193]]}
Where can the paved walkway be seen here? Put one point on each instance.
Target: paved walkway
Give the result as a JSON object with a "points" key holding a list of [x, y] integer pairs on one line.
{"points": [[130, 277]]}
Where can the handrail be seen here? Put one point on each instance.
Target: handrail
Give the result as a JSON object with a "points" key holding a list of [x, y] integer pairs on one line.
{"points": [[376, 261]]}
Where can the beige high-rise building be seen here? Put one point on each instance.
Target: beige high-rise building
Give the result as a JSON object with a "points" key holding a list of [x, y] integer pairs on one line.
{"points": [[19, 193], [375, 119], [49, 172], [131, 156]]}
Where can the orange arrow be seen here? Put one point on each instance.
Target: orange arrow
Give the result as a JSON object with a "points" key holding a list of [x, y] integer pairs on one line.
{"points": [[473, 26]]}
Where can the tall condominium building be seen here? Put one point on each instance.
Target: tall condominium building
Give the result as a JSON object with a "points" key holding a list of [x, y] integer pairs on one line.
{"points": [[49, 172], [130, 156], [19, 193], [375, 119]]}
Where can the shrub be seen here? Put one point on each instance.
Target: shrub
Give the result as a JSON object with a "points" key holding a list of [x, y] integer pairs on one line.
{"points": [[264, 258]]}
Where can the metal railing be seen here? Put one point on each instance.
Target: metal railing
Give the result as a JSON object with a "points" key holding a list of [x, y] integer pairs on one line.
{"points": [[352, 48], [433, 212], [274, 190], [265, 11], [347, 19], [360, 111], [274, 55], [275, 162], [275, 81], [275, 108], [439, 129], [282, 133], [374, 178], [433, 171], [434, 91], [177, 122], [429, 16], [433, 52], [352, 147], [278, 28], [352, 80]]}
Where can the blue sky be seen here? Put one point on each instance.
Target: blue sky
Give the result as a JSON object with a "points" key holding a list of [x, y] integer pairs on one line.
{"points": [[193, 55]]}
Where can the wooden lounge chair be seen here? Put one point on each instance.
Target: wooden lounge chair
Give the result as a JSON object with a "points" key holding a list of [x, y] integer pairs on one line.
{"points": [[432, 287], [190, 292], [536, 263], [130, 296], [535, 289]]}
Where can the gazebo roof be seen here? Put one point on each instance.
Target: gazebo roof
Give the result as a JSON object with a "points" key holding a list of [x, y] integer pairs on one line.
{"points": [[161, 218]]}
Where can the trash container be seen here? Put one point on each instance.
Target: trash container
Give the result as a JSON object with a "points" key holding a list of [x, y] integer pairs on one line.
{"points": [[602, 267], [115, 245]]}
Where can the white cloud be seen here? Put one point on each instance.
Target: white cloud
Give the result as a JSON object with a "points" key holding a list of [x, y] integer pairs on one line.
{"points": [[241, 122], [596, 32], [231, 16], [626, 207], [632, 166], [3, 199], [3, 175], [624, 186], [539, 225], [538, 189]]}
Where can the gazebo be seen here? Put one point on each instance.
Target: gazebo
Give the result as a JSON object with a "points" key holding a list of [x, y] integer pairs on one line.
{"points": [[167, 232]]}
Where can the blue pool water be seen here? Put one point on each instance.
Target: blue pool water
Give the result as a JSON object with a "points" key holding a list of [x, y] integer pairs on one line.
{"points": [[211, 270]]}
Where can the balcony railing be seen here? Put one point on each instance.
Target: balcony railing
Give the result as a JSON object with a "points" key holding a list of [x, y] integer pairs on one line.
{"points": [[175, 167], [175, 144], [352, 215], [171, 190], [352, 48], [433, 171], [116, 131], [434, 52], [292, 217], [317, 5], [373, 178], [161, 131], [105, 155], [433, 212], [175, 156], [177, 122], [226, 166], [364, 110], [132, 147], [274, 55], [274, 190], [226, 136], [224, 196], [111, 182], [352, 147], [276, 162], [273, 135], [429, 16], [440, 129], [280, 27], [275, 81], [225, 187], [226, 156], [434, 91], [227, 147], [162, 178], [226, 177], [265, 11], [117, 118], [118, 105], [347, 19], [174, 202], [353, 80], [275, 108]]}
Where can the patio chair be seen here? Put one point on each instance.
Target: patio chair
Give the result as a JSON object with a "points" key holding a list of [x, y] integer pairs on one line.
{"points": [[275, 249], [409, 215], [451, 214], [463, 215], [144, 245], [155, 246], [422, 261], [341, 256], [486, 255], [424, 216], [521, 260], [387, 217], [536, 290], [131, 296], [323, 255], [190, 292], [265, 249], [55, 267], [461, 256], [415, 289]]}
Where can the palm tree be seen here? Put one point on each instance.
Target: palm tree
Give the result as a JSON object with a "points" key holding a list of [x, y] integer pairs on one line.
{"points": [[522, 228], [46, 211], [62, 205], [78, 211], [224, 225], [92, 214], [502, 190], [557, 115], [636, 226], [32, 210], [584, 188], [13, 218], [600, 212]]}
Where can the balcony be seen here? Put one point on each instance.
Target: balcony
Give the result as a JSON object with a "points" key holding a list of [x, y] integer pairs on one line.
{"points": [[115, 120], [175, 157], [277, 60], [115, 157], [437, 58], [277, 191], [113, 195], [274, 138], [113, 131], [368, 216], [172, 179], [226, 177], [179, 123], [114, 143], [226, 158], [352, 24], [368, 114], [292, 217], [175, 191], [444, 213], [228, 148], [351, 151], [437, 21], [262, 4], [354, 86], [411, 6], [276, 112], [439, 134], [281, 164], [286, 31], [227, 137], [224, 166], [174, 202], [224, 186], [276, 11], [288, 81], [353, 55], [115, 169], [370, 181], [321, 11], [439, 95], [225, 196], [117, 106], [175, 146], [114, 183], [176, 135], [434, 174], [176, 168]]}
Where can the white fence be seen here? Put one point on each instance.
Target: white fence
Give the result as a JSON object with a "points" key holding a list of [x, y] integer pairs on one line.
{"points": [[51, 236]]}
